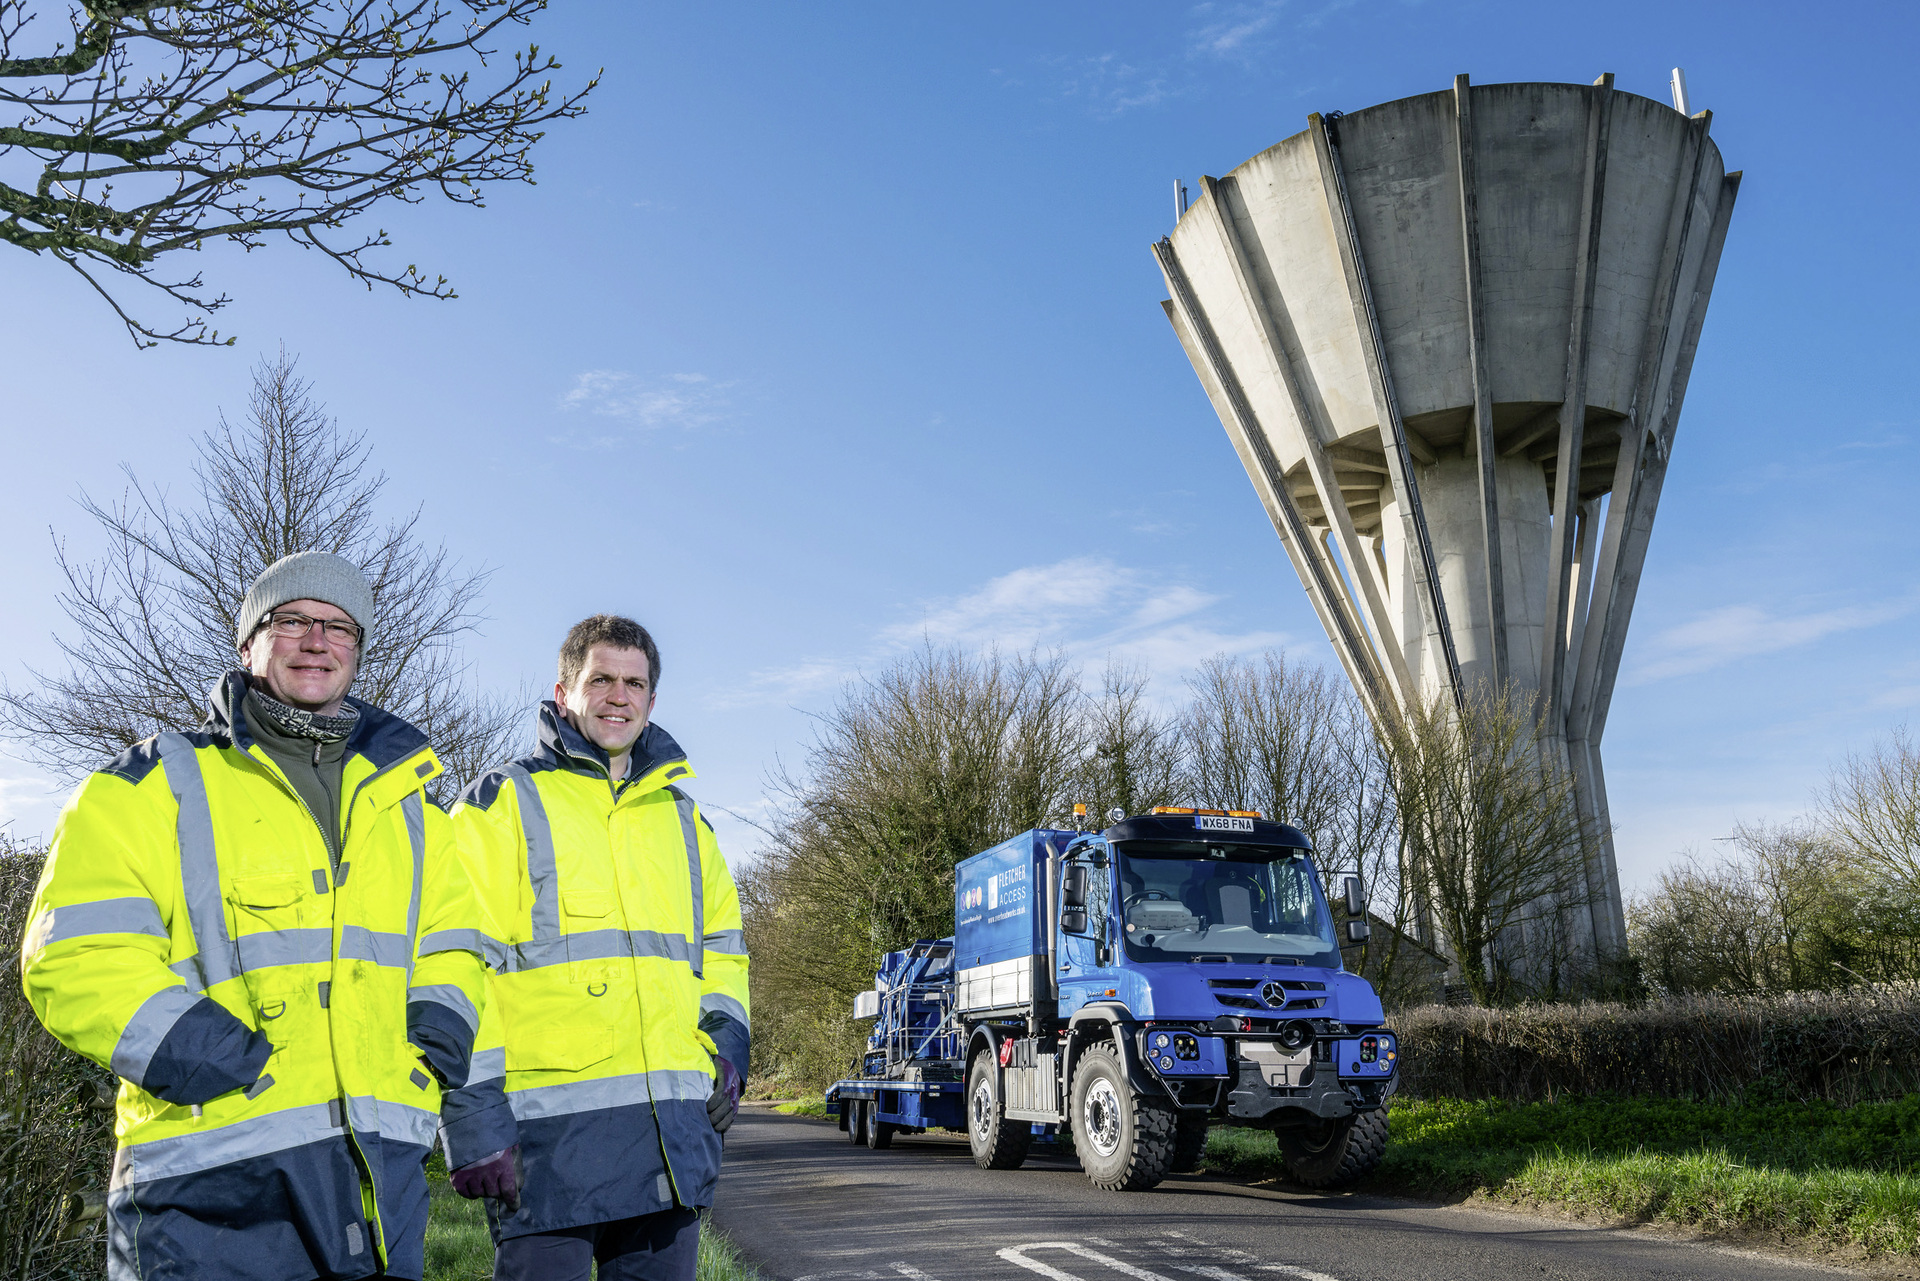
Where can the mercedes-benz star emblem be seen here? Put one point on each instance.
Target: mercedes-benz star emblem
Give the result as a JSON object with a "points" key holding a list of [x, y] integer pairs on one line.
{"points": [[1273, 994]]}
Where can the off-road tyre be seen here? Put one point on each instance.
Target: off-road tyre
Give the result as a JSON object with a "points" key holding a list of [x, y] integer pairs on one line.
{"points": [[1189, 1142], [879, 1133], [1124, 1141], [1339, 1154], [857, 1122], [997, 1143]]}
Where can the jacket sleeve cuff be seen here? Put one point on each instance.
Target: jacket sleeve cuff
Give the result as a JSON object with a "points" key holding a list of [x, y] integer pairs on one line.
{"points": [[731, 1038], [476, 1122], [444, 1037], [206, 1053]]}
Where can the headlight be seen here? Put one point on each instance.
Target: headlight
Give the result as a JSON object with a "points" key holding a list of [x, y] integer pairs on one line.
{"points": [[1160, 1041], [1166, 1063]]}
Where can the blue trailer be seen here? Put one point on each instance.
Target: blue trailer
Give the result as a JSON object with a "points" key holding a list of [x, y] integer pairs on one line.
{"points": [[1134, 986]]}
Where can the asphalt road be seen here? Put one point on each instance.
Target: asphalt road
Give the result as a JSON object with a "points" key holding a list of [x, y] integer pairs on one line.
{"points": [[806, 1205]]}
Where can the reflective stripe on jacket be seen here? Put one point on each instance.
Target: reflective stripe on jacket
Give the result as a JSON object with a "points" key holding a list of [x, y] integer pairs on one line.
{"points": [[267, 1015], [619, 967]]}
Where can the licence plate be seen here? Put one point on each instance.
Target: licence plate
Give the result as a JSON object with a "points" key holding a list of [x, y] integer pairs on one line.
{"points": [[1210, 823]]}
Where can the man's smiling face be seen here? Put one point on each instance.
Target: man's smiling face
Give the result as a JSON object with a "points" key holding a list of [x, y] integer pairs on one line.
{"points": [[611, 699], [310, 671]]}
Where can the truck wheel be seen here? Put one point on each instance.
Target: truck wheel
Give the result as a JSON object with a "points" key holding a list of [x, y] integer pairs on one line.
{"points": [[1189, 1141], [1124, 1142], [856, 1122], [879, 1133], [1333, 1154], [998, 1144]]}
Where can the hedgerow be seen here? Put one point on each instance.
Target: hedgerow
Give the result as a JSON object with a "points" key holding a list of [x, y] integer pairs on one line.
{"points": [[1841, 1047]]}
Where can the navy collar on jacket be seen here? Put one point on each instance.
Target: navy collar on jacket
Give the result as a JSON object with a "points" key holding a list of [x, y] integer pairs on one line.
{"points": [[381, 737], [568, 748]]}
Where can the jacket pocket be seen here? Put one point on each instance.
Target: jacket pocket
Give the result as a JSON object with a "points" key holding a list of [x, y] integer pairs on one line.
{"points": [[551, 1025], [269, 918]]}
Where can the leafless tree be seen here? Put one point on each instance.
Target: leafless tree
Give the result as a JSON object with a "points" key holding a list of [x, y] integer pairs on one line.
{"points": [[1293, 742], [1872, 808], [1133, 760], [155, 616], [164, 125], [936, 758], [1496, 842]]}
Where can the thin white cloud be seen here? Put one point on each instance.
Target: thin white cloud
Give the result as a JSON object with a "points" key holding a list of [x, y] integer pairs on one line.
{"points": [[1109, 85], [1233, 27], [787, 684], [678, 400], [1734, 632], [1087, 607]]}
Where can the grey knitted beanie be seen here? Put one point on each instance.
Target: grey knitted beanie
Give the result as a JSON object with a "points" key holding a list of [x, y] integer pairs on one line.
{"points": [[307, 576]]}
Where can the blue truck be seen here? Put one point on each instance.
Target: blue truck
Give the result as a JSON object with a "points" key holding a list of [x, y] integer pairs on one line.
{"points": [[1131, 988]]}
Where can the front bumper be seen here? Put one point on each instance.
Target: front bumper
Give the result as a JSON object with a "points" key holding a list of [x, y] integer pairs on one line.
{"points": [[1321, 1094]]}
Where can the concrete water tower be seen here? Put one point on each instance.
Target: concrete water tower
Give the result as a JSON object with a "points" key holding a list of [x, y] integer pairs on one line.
{"points": [[1449, 337]]}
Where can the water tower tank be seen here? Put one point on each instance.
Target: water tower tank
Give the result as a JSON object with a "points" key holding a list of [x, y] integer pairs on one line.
{"points": [[1449, 337]]}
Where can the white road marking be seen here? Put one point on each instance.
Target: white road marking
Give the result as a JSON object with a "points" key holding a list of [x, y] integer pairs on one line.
{"points": [[1017, 1254], [1287, 1269], [910, 1272]]}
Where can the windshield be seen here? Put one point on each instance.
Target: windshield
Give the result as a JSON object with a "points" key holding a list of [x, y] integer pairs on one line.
{"points": [[1189, 900]]}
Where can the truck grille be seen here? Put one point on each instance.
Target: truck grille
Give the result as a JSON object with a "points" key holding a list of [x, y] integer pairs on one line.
{"points": [[1241, 994]]}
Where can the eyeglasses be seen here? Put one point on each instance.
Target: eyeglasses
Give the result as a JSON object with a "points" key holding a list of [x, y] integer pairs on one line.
{"points": [[338, 630]]}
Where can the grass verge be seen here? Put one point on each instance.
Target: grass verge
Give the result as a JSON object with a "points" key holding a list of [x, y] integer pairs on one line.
{"points": [[459, 1249], [812, 1105], [1813, 1172]]}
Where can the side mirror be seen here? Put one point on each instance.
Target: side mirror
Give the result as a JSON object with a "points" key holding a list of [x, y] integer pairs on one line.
{"points": [[1074, 920], [1356, 901], [1073, 889], [1358, 931]]}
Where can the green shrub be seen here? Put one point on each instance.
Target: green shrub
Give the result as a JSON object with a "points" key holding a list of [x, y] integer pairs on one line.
{"points": [[50, 1147]]}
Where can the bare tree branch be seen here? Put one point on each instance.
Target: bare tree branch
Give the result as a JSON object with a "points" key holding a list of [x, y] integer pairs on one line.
{"points": [[168, 124]]}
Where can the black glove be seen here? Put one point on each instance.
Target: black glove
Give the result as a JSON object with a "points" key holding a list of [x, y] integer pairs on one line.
{"points": [[724, 1103]]}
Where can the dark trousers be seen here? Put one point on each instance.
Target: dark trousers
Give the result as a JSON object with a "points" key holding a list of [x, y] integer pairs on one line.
{"points": [[650, 1247]]}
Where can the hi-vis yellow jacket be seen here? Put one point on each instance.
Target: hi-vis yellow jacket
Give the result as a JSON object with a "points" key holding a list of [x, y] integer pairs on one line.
{"points": [[620, 969], [271, 1018]]}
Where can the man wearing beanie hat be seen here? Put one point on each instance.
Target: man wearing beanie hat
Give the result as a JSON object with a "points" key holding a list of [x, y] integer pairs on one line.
{"points": [[263, 929]]}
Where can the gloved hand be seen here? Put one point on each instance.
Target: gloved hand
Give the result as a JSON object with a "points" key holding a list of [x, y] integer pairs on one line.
{"points": [[724, 1102], [496, 1176]]}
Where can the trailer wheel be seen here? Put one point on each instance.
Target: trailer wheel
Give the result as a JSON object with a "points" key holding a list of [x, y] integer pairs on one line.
{"points": [[856, 1122], [1335, 1153], [1189, 1142], [879, 1133], [998, 1144], [1124, 1141]]}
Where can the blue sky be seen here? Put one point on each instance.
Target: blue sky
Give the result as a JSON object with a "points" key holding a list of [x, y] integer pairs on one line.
{"points": [[829, 329]]}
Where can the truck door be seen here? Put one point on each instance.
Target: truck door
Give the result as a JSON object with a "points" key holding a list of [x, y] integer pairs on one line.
{"points": [[1086, 943]]}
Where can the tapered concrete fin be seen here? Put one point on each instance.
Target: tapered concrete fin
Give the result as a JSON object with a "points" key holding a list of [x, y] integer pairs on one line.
{"points": [[1573, 406], [1267, 310], [1393, 430], [1483, 451], [1309, 557], [1635, 538], [1608, 617]]}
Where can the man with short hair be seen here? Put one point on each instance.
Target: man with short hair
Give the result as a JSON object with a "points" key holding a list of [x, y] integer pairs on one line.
{"points": [[264, 930], [620, 974]]}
